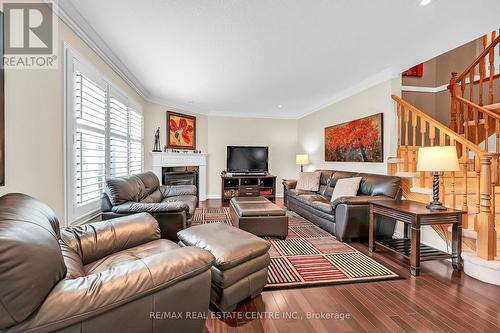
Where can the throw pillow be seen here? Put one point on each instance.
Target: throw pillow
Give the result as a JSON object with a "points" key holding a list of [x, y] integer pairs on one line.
{"points": [[308, 181], [346, 187]]}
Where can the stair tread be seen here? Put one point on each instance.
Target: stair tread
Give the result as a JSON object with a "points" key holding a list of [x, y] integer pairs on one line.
{"points": [[494, 106], [472, 123], [407, 174], [395, 160]]}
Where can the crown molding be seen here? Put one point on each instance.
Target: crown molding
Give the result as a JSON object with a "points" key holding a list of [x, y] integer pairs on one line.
{"points": [[75, 21], [382, 76]]}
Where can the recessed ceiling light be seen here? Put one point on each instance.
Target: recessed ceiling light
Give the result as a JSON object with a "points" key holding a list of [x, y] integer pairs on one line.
{"points": [[280, 106], [425, 2]]}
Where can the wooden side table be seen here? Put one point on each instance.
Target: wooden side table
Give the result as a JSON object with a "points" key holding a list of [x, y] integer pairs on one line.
{"points": [[414, 215]]}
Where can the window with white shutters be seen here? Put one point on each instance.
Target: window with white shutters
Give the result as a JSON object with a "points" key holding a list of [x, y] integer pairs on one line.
{"points": [[90, 140], [104, 137], [119, 138], [136, 150]]}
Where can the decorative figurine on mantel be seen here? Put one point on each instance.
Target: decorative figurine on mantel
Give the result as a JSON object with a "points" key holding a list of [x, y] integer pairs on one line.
{"points": [[156, 147]]}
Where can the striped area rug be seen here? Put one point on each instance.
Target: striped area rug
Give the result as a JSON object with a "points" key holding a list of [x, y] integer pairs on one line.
{"points": [[309, 256]]}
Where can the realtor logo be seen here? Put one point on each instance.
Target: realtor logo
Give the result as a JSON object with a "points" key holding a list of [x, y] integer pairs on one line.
{"points": [[29, 35]]}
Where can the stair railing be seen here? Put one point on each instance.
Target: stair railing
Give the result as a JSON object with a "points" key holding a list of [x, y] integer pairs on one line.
{"points": [[417, 129], [474, 82]]}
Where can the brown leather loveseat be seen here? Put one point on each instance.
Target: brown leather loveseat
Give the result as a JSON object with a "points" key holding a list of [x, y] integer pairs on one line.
{"points": [[345, 217], [110, 276], [172, 206]]}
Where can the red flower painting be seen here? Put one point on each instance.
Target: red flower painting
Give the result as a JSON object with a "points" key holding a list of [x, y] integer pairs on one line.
{"points": [[356, 141], [181, 131]]}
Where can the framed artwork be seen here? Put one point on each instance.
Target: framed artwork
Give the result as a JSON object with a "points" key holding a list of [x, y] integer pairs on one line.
{"points": [[359, 140], [415, 71], [181, 132]]}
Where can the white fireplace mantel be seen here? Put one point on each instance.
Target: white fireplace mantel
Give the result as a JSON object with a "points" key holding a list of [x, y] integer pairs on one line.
{"points": [[160, 160]]}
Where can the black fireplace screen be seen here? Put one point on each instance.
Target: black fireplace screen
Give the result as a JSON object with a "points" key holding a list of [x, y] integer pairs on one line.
{"points": [[180, 176]]}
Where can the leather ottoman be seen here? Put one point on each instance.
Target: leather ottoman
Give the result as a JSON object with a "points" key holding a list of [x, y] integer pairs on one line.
{"points": [[241, 261], [259, 216]]}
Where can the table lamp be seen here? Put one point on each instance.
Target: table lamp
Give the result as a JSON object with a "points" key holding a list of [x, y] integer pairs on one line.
{"points": [[301, 159], [437, 160]]}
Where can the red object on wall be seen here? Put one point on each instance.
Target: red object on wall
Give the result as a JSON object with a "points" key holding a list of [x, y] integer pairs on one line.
{"points": [[417, 71]]}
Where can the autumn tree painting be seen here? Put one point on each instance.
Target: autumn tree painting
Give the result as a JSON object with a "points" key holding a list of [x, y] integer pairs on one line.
{"points": [[355, 141]]}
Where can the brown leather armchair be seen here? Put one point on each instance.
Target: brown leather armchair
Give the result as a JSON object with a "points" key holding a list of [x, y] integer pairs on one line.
{"points": [[110, 276], [172, 206]]}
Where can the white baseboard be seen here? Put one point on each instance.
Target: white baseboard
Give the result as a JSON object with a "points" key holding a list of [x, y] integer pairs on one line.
{"points": [[218, 196]]}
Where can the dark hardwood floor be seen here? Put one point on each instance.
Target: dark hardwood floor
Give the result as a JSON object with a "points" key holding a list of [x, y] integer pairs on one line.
{"points": [[439, 300]]}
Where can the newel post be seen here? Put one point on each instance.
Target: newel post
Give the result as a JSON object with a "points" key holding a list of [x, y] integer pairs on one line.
{"points": [[486, 236], [453, 87]]}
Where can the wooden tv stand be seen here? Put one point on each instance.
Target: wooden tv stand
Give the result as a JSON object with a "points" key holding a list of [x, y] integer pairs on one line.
{"points": [[248, 186]]}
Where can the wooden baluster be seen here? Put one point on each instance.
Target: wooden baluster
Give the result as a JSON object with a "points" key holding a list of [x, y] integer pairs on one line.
{"points": [[398, 112], [475, 114], [465, 207], [482, 71], [492, 69], [414, 141], [432, 134], [442, 188], [486, 235], [453, 195], [454, 117], [423, 129], [486, 130], [462, 110], [477, 169], [407, 135]]}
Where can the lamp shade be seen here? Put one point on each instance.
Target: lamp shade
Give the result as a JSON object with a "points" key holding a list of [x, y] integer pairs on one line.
{"points": [[438, 159], [301, 159]]}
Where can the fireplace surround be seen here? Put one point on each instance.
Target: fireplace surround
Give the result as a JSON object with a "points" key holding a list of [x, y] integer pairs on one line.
{"points": [[181, 168]]}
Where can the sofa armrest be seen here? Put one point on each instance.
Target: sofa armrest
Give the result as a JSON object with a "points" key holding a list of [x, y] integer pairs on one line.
{"points": [[358, 200], [75, 301], [96, 240], [289, 184], [175, 190], [160, 207]]}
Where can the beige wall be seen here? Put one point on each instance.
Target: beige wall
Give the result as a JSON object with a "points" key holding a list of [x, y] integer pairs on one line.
{"points": [[437, 72], [371, 101], [34, 122], [155, 116], [280, 135]]}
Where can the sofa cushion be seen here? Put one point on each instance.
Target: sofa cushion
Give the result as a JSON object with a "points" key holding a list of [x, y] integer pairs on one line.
{"points": [[323, 205], [154, 197], [347, 187], [295, 192], [379, 185], [123, 189], [31, 262], [308, 181], [340, 175], [150, 181], [309, 198], [190, 200], [99, 239], [130, 255], [326, 176]]}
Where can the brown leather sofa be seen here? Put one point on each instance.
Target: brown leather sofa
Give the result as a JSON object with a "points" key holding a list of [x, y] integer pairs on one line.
{"points": [[110, 276], [346, 217], [171, 206]]}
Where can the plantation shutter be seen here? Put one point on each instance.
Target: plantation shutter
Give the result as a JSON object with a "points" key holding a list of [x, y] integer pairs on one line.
{"points": [[118, 137], [136, 144], [90, 139]]}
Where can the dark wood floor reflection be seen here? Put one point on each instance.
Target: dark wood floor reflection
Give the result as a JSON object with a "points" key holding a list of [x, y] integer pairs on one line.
{"points": [[439, 300]]}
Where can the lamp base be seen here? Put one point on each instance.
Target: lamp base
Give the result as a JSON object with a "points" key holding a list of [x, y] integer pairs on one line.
{"points": [[433, 205]]}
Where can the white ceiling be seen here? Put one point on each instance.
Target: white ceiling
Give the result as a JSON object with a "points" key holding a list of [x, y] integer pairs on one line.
{"points": [[248, 58]]}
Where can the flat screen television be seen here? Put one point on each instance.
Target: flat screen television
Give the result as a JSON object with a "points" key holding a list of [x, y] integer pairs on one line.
{"points": [[247, 159]]}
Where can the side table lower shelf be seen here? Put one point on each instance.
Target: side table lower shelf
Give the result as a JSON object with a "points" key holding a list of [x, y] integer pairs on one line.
{"points": [[402, 246]]}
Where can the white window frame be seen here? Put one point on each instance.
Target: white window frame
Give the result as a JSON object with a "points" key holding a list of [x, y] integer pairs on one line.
{"points": [[72, 62]]}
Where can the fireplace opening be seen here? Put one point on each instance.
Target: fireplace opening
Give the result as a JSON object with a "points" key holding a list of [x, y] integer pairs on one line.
{"points": [[186, 175]]}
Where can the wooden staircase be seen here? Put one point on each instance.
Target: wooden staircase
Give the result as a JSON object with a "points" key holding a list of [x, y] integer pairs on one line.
{"points": [[474, 130]]}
